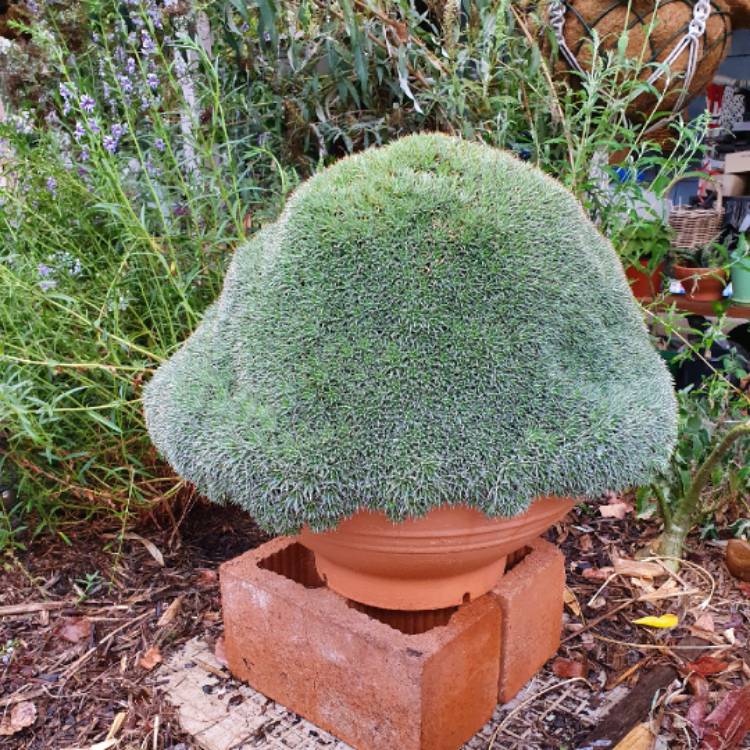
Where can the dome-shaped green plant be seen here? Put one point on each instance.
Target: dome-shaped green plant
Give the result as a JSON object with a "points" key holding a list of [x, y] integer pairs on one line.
{"points": [[430, 322]]}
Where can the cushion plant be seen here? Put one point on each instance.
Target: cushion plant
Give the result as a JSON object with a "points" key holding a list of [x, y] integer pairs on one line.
{"points": [[432, 322]]}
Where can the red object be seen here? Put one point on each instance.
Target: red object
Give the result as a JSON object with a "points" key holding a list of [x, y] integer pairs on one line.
{"points": [[644, 284], [449, 556], [531, 600], [706, 665], [729, 723], [701, 284], [369, 683]]}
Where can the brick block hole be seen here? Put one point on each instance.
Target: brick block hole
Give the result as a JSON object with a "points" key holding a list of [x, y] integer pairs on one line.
{"points": [[297, 563]]}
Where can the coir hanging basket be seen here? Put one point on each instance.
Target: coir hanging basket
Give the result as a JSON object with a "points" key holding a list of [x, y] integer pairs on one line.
{"points": [[696, 227]]}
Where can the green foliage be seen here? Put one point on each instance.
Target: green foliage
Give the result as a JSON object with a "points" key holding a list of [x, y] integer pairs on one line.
{"points": [[711, 255], [430, 322], [111, 250], [642, 237]]}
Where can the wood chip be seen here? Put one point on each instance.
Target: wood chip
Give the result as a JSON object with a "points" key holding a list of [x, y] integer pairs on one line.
{"points": [[170, 612], [151, 658]]}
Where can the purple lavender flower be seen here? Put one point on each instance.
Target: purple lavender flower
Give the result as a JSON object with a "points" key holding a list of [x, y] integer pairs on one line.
{"points": [[79, 131], [180, 210], [125, 83], [110, 144], [52, 186], [84, 155], [159, 145], [44, 270], [87, 103], [147, 43], [65, 91], [153, 81], [130, 66], [47, 284], [94, 125], [118, 130]]}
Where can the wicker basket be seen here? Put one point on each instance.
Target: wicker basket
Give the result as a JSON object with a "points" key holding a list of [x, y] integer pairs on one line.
{"points": [[696, 227]]}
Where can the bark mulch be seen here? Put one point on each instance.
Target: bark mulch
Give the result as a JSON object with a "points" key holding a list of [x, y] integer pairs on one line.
{"points": [[85, 627]]}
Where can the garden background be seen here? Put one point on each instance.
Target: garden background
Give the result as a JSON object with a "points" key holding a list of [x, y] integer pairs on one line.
{"points": [[143, 141]]}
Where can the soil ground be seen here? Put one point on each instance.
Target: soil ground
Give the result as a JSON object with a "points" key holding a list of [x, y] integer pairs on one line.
{"points": [[84, 628]]}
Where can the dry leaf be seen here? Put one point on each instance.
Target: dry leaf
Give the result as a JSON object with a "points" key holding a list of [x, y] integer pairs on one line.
{"points": [[729, 723], [705, 622], [74, 630], [662, 621], [567, 668], [707, 665], [170, 612], [729, 636], [744, 588], [637, 569], [151, 548], [615, 510], [151, 658], [220, 652], [571, 602], [22, 715]]}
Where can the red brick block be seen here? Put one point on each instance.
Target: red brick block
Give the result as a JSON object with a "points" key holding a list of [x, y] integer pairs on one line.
{"points": [[370, 684], [530, 595]]}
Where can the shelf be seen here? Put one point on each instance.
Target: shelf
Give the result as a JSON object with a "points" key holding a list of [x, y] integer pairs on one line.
{"points": [[708, 309]]}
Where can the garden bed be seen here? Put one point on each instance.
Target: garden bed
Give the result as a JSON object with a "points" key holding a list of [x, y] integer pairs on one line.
{"points": [[91, 659]]}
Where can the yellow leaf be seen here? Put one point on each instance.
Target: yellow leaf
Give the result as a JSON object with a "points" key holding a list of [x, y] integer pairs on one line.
{"points": [[663, 621]]}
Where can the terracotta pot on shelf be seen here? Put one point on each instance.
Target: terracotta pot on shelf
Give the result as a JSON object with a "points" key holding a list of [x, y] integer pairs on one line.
{"points": [[704, 284], [450, 556], [642, 283]]}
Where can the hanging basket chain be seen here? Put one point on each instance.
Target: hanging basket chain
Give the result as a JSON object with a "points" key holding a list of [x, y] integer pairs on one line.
{"points": [[690, 41]]}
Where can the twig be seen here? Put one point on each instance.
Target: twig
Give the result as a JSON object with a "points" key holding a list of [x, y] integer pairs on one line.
{"points": [[22, 696], [592, 623], [22, 609]]}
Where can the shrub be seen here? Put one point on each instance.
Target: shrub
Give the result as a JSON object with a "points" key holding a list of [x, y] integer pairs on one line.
{"points": [[430, 322]]}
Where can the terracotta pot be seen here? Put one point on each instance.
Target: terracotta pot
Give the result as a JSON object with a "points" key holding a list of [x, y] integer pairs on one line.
{"points": [[701, 283], [642, 283], [447, 557]]}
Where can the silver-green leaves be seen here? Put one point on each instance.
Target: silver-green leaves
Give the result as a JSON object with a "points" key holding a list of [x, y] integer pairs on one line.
{"points": [[430, 322]]}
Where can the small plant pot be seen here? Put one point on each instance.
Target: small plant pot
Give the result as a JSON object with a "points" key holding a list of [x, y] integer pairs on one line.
{"points": [[741, 282], [450, 556], [701, 284], [642, 283]]}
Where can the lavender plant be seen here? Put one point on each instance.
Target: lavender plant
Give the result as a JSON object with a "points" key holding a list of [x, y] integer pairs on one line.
{"points": [[122, 192]]}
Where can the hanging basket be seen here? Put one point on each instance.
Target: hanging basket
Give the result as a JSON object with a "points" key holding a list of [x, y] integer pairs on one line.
{"points": [[697, 227]]}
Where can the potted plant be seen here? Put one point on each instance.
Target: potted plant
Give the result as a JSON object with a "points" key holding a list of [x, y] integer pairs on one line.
{"points": [[702, 271], [407, 366], [643, 243], [740, 270]]}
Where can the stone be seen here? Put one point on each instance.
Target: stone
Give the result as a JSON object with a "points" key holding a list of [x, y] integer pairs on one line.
{"points": [[738, 559]]}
